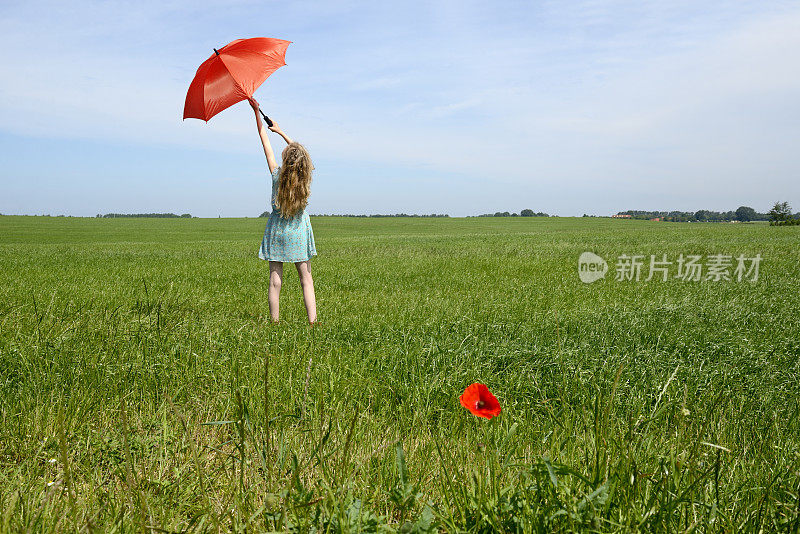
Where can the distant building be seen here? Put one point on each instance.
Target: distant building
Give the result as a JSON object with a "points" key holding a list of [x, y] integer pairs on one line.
{"points": [[656, 219], [621, 216]]}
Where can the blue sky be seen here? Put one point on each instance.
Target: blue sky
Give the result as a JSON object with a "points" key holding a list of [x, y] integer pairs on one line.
{"points": [[447, 107]]}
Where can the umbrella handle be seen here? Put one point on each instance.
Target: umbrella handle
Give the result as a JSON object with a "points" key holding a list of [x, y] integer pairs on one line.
{"points": [[266, 119]]}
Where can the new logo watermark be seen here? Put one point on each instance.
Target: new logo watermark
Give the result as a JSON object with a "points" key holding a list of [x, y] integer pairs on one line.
{"points": [[689, 267], [591, 267]]}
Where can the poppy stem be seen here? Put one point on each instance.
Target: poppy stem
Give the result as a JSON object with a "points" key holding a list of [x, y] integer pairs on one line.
{"points": [[489, 456]]}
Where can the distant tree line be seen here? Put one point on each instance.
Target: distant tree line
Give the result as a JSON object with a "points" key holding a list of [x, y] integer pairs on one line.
{"points": [[523, 213], [779, 213], [145, 215], [43, 215], [743, 214], [266, 214]]}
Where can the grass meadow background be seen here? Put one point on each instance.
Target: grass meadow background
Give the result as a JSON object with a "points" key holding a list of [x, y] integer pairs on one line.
{"points": [[143, 389]]}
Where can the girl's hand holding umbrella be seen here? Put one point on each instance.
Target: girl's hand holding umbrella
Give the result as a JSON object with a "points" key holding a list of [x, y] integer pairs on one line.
{"points": [[277, 129], [254, 105], [273, 127], [258, 112], [263, 135], [257, 109]]}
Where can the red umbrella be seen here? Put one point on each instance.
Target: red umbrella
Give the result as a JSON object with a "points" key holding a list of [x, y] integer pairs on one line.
{"points": [[233, 74]]}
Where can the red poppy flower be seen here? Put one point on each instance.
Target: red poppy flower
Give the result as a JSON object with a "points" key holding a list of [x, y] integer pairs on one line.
{"points": [[479, 401]]}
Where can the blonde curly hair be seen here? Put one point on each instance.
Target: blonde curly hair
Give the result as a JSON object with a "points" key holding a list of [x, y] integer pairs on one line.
{"points": [[294, 182]]}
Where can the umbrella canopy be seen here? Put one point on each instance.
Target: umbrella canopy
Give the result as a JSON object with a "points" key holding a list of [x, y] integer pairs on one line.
{"points": [[232, 74]]}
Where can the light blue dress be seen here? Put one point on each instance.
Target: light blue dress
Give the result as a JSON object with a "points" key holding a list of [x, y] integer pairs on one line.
{"points": [[286, 240]]}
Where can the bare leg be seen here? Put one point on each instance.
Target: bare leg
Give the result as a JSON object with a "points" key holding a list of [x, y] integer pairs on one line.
{"points": [[275, 281], [307, 283]]}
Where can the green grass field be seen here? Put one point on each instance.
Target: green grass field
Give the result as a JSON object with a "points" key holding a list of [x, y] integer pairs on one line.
{"points": [[652, 406]]}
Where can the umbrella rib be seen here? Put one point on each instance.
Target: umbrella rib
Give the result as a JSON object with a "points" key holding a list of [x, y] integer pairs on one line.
{"points": [[231, 75], [227, 70]]}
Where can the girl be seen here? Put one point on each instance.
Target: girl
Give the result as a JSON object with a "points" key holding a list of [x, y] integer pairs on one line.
{"points": [[288, 236]]}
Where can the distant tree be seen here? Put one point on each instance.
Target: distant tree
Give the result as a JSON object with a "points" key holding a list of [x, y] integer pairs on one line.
{"points": [[780, 212], [745, 214], [265, 214], [144, 215], [701, 215], [526, 213], [186, 216]]}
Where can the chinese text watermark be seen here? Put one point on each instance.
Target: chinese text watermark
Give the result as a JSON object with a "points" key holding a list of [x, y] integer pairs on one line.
{"points": [[689, 267]]}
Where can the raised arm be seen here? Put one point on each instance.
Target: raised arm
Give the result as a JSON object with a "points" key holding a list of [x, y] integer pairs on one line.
{"points": [[262, 133], [277, 129]]}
